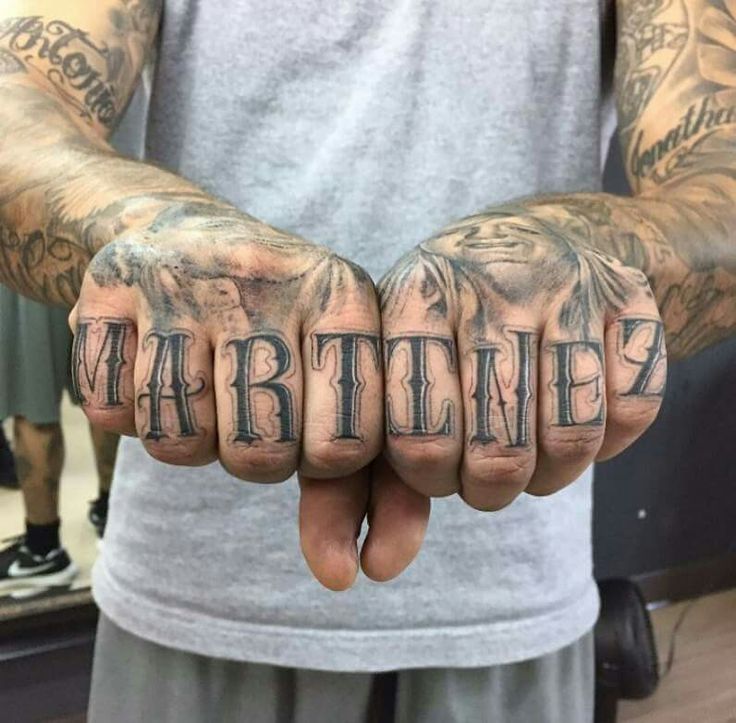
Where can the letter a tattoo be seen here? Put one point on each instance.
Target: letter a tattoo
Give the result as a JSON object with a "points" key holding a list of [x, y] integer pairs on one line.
{"points": [[168, 382]]}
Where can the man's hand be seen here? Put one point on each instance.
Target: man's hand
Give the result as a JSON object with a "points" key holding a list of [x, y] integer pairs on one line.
{"points": [[515, 355], [220, 337], [210, 335]]}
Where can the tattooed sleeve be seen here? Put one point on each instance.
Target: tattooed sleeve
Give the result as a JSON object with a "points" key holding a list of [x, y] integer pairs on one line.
{"points": [[676, 93]]}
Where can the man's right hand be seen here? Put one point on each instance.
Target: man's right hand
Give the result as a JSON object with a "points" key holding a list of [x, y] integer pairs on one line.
{"points": [[220, 337], [224, 338]]}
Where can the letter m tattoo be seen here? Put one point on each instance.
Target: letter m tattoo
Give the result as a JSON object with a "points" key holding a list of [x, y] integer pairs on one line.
{"points": [[98, 357]]}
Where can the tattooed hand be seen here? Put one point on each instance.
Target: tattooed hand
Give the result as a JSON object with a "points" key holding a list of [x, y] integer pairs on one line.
{"points": [[213, 336], [515, 355]]}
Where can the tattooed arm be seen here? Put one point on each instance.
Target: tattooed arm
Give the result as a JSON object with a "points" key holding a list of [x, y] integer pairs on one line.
{"points": [[200, 329], [528, 340]]}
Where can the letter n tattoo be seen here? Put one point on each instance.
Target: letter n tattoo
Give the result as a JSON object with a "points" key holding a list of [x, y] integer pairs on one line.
{"points": [[488, 386], [245, 385]]}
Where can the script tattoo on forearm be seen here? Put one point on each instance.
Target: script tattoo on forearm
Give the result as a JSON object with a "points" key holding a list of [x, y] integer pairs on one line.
{"points": [[655, 38], [53, 218], [93, 77]]}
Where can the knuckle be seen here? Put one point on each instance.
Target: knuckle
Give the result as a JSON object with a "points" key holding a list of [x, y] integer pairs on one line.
{"points": [[417, 453], [265, 463], [336, 457], [636, 416], [109, 420], [550, 487], [509, 472], [183, 453], [572, 449]]}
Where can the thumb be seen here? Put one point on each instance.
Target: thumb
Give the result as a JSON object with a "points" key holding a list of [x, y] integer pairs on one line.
{"points": [[331, 512], [397, 519]]}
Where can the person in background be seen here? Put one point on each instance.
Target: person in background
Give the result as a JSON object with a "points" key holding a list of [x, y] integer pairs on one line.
{"points": [[520, 343], [105, 446], [34, 371], [8, 476]]}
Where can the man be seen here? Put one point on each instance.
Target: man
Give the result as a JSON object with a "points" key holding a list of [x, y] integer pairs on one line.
{"points": [[518, 344], [8, 476]]}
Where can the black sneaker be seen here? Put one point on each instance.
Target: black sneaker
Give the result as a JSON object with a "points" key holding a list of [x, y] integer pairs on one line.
{"points": [[20, 569], [97, 515]]}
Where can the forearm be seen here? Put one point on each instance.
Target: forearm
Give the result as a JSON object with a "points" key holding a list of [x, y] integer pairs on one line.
{"points": [[677, 124], [682, 240], [65, 193]]}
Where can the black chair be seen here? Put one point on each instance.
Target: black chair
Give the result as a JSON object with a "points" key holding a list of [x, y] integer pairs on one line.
{"points": [[625, 651]]}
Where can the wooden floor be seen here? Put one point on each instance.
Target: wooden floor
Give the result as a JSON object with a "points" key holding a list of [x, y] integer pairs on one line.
{"points": [[701, 686]]}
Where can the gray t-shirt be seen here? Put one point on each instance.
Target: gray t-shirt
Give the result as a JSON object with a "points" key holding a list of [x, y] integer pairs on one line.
{"points": [[365, 125]]}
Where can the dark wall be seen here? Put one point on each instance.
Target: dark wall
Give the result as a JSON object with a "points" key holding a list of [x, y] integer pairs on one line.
{"points": [[671, 498]]}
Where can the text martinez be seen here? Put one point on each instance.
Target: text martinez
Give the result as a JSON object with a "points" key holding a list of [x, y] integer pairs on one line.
{"points": [[500, 407]]}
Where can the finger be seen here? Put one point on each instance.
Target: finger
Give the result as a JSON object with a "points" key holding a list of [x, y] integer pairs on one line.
{"points": [[175, 408], [397, 519], [572, 405], [499, 380], [103, 358], [636, 374], [330, 515], [424, 420], [343, 379], [259, 399]]}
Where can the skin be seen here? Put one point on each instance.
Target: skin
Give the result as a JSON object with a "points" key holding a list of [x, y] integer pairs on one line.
{"points": [[558, 311], [105, 446], [517, 345], [202, 330], [39, 458]]}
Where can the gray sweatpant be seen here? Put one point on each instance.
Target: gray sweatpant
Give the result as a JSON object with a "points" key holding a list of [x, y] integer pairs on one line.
{"points": [[136, 681]]}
